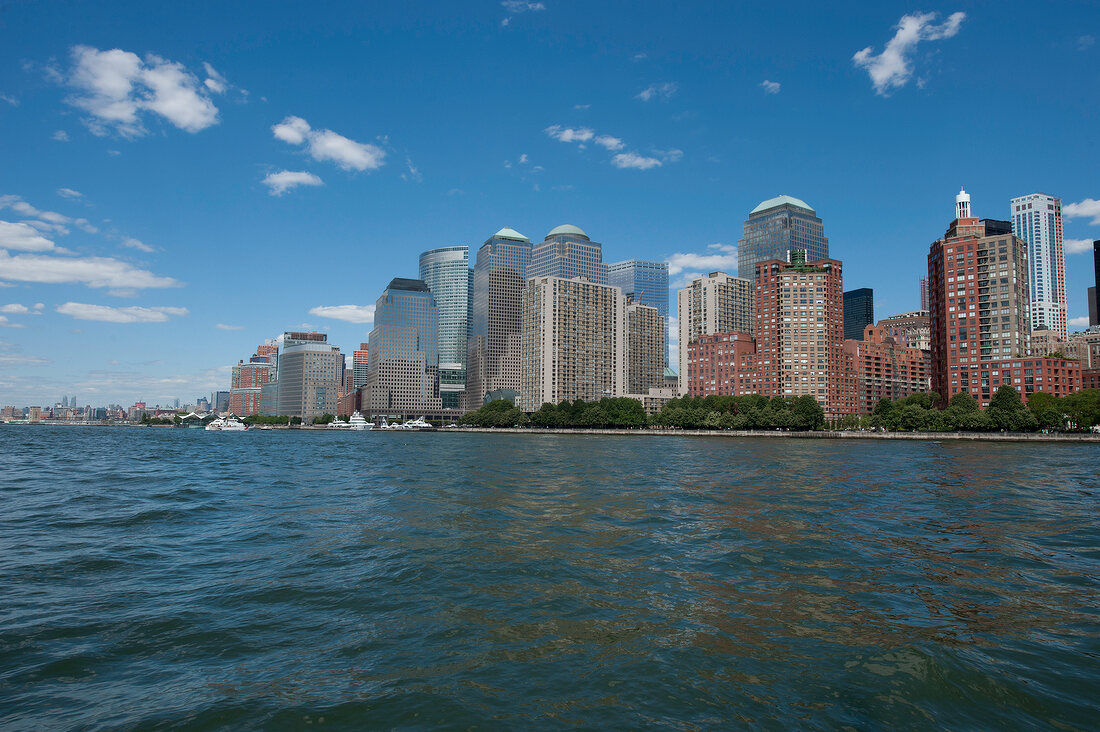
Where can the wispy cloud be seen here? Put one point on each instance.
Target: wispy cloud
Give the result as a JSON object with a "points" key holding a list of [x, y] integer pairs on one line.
{"points": [[581, 107], [608, 142], [347, 313], [635, 161], [285, 180], [662, 92], [141, 246], [9, 100], [88, 271], [60, 136], [568, 134], [717, 258], [117, 88], [223, 326], [326, 145], [622, 160], [413, 173], [1077, 246], [1082, 322], [639, 57], [107, 314], [22, 237], [515, 7], [1087, 209], [892, 69], [69, 193], [770, 87]]}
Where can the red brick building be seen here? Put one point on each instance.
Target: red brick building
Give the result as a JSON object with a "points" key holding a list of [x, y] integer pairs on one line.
{"points": [[1090, 379], [249, 378], [883, 369]]}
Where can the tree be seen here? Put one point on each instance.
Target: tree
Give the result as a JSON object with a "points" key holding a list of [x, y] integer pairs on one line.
{"points": [[1008, 413], [807, 414]]}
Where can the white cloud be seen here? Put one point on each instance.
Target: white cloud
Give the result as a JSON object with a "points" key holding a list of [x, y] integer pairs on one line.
{"points": [[89, 271], [718, 258], [581, 107], [348, 313], [523, 158], [609, 142], [60, 136], [522, 6], [22, 237], [770, 87], [141, 246], [215, 82], [635, 161], [223, 326], [328, 145], [1077, 246], [106, 314], [670, 156], [85, 226], [285, 180], [662, 91], [414, 172], [5, 323], [892, 68], [55, 220], [9, 99], [1087, 209], [568, 134], [15, 309], [116, 87], [69, 193], [1082, 322], [639, 57]]}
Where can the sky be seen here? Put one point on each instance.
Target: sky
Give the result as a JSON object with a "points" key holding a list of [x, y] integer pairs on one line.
{"points": [[181, 181]]}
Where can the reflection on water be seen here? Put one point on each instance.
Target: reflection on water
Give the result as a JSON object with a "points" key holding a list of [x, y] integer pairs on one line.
{"points": [[277, 579]]}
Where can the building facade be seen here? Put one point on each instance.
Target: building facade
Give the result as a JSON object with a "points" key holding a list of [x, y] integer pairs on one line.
{"points": [[360, 357], [1094, 306], [716, 303], [913, 330], [446, 271], [311, 375], [883, 368], [567, 252], [859, 312], [574, 334], [645, 282], [249, 378], [777, 226], [494, 348], [403, 371], [645, 348], [1037, 219]]}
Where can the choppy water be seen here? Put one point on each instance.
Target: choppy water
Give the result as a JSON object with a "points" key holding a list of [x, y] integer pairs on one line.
{"points": [[158, 577]]}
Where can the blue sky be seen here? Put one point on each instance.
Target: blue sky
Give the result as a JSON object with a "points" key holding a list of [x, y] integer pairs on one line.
{"points": [[179, 182]]}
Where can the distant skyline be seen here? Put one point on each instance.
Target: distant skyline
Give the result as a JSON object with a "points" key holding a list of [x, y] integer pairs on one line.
{"points": [[180, 183]]}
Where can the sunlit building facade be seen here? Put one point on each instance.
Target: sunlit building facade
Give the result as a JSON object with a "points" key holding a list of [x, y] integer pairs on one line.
{"points": [[446, 271]]}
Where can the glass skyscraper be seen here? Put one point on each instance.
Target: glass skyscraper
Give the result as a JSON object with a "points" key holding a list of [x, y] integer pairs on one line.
{"points": [[1037, 219], [403, 370], [645, 282], [446, 272], [567, 252], [494, 350], [859, 312], [777, 226]]}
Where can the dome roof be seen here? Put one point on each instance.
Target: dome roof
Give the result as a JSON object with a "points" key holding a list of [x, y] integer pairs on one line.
{"points": [[670, 372], [567, 229], [779, 201], [507, 233]]}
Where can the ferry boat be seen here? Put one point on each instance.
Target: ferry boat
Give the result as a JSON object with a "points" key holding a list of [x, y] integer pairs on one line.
{"points": [[226, 424]]}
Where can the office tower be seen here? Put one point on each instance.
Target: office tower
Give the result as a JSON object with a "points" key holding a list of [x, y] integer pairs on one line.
{"points": [[913, 330], [446, 272], [646, 282], [777, 226], [1094, 305], [716, 303], [645, 348], [978, 293], [859, 312], [64, 401], [403, 374], [884, 368], [800, 332], [359, 360], [1037, 219], [924, 293], [496, 319], [311, 373], [573, 341], [249, 379], [567, 252]]}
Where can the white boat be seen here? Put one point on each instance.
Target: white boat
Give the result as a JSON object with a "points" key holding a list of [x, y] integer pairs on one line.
{"points": [[339, 424], [226, 424], [359, 423], [417, 424]]}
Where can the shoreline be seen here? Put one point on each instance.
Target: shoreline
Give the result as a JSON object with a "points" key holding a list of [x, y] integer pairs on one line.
{"points": [[1070, 437]]}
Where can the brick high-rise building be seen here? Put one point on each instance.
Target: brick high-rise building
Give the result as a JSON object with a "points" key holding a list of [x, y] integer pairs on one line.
{"points": [[360, 357], [980, 315], [885, 369], [249, 378], [716, 303]]}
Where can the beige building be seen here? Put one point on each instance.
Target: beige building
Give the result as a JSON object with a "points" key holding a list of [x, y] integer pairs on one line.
{"points": [[1083, 346], [645, 348], [717, 303], [311, 372], [912, 330], [573, 344]]}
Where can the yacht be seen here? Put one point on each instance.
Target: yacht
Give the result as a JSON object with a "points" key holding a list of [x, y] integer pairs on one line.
{"points": [[417, 424], [339, 424], [226, 424], [358, 422]]}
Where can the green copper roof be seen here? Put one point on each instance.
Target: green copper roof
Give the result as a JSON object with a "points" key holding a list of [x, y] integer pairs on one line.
{"points": [[567, 229], [779, 201], [669, 372], [507, 233]]}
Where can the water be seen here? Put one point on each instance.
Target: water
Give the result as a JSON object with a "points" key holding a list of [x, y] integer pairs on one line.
{"points": [[157, 578]]}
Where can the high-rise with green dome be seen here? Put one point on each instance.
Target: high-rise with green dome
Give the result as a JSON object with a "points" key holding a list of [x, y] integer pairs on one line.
{"points": [[567, 252], [777, 226]]}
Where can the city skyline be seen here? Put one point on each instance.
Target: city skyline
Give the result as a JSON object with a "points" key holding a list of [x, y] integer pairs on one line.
{"points": [[179, 259]]}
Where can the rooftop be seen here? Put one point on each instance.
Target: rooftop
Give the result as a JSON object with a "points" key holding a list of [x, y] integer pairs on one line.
{"points": [[782, 201], [507, 233], [567, 229], [403, 283]]}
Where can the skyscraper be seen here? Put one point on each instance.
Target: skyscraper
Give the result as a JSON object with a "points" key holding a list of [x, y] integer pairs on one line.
{"points": [[1037, 219], [777, 226], [1094, 305], [859, 312], [645, 348], [567, 252], [923, 293], [247, 381], [446, 272], [646, 282], [360, 360], [311, 374], [978, 293], [496, 318], [717, 303], [573, 341], [403, 371]]}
